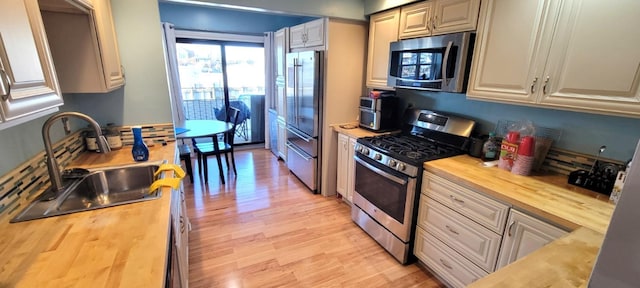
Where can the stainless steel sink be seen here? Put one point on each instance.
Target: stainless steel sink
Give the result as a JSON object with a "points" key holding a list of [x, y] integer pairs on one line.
{"points": [[99, 188]]}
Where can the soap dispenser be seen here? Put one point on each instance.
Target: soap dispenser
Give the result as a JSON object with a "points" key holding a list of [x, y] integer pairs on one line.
{"points": [[139, 151]]}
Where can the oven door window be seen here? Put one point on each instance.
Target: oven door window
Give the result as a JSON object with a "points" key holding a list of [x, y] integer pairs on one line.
{"points": [[386, 189]]}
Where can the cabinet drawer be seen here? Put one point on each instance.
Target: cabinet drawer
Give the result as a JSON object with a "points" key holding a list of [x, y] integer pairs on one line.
{"points": [[475, 242], [484, 210], [444, 261]]}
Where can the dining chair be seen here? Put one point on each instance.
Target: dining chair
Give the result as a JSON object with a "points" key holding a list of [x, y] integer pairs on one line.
{"points": [[185, 155], [225, 147]]}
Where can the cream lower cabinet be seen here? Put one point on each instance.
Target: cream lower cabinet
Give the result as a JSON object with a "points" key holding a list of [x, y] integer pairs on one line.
{"points": [[459, 230], [181, 228], [524, 235], [84, 45], [28, 83], [572, 54], [461, 233], [345, 182]]}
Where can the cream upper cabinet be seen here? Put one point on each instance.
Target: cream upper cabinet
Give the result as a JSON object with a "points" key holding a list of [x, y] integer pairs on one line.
{"points": [[416, 20], [525, 234], [510, 49], [572, 54], [309, 34], [383, 29], [594, 61], [28, 83], [88, 61], [438, 17], [110, 54]]}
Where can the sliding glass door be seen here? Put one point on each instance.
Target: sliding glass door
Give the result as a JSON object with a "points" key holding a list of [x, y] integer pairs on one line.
{"points": [[219, 74]]}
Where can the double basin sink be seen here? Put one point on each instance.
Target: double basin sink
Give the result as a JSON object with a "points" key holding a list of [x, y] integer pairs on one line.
{"points": [[95, 189]]}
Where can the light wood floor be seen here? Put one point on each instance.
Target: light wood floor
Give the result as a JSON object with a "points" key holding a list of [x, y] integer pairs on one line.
{"points": [[265, 229]]}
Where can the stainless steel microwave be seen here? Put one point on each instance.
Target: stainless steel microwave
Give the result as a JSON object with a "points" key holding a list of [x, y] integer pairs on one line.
{"points": [[436, 63]]}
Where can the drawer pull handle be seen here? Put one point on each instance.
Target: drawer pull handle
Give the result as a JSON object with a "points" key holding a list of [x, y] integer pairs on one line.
{"points": [[510, 226], [445, 264], [456, 199], [451, 230]]}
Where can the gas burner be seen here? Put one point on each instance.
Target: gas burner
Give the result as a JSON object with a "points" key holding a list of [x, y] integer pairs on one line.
{"points": [[412, 154], [408, 148]]}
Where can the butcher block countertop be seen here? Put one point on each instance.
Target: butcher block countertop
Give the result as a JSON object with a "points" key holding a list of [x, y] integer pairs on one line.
{"points": [[566, 262], [121, 246], [355, 132]]}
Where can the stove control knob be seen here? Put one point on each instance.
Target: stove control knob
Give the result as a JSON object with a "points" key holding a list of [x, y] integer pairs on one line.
{"points": [[393, 163], [401, 167], [365, 151], [378, 157], [359, 148]]}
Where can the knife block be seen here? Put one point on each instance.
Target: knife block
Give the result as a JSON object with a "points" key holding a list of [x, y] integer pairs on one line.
{"points": [[601, 180]]}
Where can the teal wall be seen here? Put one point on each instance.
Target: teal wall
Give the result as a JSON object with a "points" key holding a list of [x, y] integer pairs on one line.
{"points": [[581, 132], [189, 17], [345, 9]]}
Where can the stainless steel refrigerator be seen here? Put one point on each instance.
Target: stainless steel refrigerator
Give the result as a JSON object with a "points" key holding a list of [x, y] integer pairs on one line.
{"points": [[618, 262], [304, 112]]}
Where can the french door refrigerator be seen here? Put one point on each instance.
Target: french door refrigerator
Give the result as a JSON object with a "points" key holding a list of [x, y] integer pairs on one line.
{"points": [[304, 112]]}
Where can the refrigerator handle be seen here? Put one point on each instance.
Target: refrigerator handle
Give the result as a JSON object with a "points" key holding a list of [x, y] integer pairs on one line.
{"points": [[294, 132], [297, 89]]}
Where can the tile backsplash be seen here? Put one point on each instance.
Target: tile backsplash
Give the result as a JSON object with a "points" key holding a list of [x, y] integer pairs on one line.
{"points": [[22, 184]]}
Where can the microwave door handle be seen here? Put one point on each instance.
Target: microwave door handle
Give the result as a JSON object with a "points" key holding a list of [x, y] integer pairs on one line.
{"points": [[380, 172], [445, 63]]}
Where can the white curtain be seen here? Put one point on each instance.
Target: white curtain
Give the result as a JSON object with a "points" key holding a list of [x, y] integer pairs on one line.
{"points": [[173, 75], [269, 89]]}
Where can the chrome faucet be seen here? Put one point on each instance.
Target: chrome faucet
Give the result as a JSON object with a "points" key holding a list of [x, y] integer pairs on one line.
{"points": [[52, 163]]}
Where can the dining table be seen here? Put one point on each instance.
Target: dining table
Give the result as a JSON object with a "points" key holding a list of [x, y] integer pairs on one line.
{"points": [[190, 129]]}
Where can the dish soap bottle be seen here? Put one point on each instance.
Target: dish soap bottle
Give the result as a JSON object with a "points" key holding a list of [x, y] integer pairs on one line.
{"points": [[490, 148], [139, 151]]}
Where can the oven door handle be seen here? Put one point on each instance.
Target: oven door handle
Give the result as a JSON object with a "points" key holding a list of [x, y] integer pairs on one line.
{"points": [[380, 172]]}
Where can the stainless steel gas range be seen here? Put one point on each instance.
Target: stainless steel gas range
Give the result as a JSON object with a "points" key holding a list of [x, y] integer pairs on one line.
{"points": [[389, 174]]}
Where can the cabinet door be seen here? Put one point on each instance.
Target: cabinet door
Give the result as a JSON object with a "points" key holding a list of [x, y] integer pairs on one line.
{"points": [[183, 250], [109, 52], [383, 29], [281, 40], [451, 16], [351, 169], [416, 20], [297, 36], [314, 33], [282, 139], [594, 60], [524, 235], [343, 154], [28, 83], [511, 47]]}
